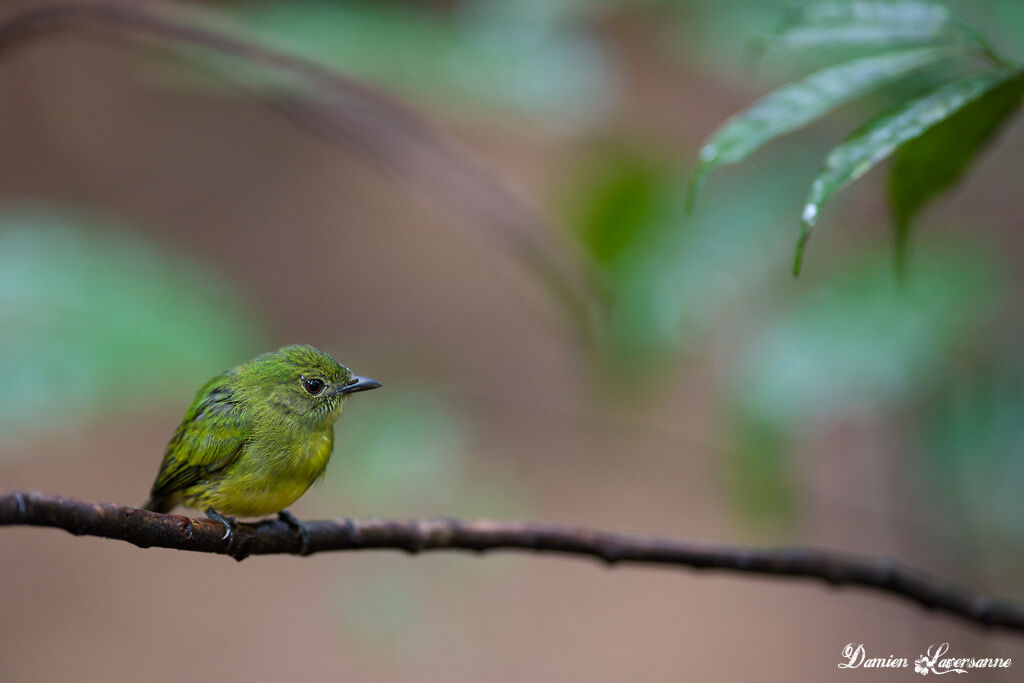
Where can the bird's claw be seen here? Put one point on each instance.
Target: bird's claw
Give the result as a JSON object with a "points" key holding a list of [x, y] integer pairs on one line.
{"points": [[229, 525], [300, 528]]}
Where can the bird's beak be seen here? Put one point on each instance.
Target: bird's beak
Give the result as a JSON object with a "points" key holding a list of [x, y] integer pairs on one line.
{"points": [[357, 383]]}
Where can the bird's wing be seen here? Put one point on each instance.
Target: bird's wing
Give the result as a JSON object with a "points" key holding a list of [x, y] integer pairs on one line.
{"points": [[212, 435]]}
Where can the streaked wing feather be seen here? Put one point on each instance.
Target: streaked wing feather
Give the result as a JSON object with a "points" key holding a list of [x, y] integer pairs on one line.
{"points": [[211, 436]]}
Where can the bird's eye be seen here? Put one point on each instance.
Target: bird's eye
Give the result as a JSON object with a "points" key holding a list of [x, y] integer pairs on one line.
{"points": [[313, 386]]}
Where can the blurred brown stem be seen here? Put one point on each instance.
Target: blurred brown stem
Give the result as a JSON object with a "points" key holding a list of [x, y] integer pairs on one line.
{"points": [[344, 111], [149, 529]]}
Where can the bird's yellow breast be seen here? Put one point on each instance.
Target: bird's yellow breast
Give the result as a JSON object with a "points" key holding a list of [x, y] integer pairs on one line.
{"points": [[267, 477]]}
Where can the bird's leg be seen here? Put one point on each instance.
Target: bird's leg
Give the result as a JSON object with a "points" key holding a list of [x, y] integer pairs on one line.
{"points": [[300, 528], [228, 522]]}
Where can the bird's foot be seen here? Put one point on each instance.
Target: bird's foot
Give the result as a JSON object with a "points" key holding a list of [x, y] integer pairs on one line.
{"points": [[228, 522], [300, 528]]}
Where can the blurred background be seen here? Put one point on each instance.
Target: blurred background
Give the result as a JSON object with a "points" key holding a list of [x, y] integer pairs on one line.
{"points": [[559, 339]]}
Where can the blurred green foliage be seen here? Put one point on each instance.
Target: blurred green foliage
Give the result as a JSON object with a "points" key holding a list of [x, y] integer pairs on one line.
{"points": [[877, 24], [970, 458], [715, 35], [878, 139], [759, 472], [861, 343], [856, 345], [796, 105], [112, 320], [95, 318], [622, 199], [410, 455], [671, 274], [518, 58], [930, 163], [833, 24], [379, 467]]}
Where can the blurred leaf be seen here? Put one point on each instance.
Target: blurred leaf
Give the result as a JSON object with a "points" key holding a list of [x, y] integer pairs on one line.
{"points": [[103, 319], [759, 472], [671, 287], [880, 138], [514, 56], [671, 273], [621, 199], [864, 23], [1002, 21], [796, 105], [903, 12], [864, 343], [978, 416], [927, 165], [972, 464]]}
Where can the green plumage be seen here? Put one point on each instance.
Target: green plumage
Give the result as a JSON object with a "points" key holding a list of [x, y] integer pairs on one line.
{"points": [[257, 436]]}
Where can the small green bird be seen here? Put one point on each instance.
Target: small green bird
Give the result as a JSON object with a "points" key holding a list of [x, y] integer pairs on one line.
{"points": [[256, 437]]}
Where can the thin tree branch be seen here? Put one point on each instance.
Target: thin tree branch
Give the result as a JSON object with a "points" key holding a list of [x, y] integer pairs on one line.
{"points": [[149, 529]]}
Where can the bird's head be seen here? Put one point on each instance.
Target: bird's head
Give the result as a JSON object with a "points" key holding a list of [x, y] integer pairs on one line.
{"points": [[304, 383]]}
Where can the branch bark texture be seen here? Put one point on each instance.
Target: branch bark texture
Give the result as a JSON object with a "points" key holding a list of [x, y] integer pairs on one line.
{"points": [[149, 529]]}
